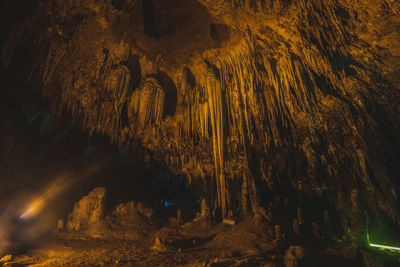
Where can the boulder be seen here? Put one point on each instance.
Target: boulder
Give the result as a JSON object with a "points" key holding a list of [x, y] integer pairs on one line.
{"points": [[159, 246], [87, 211], [144, 211], [6, 258], [125, 208], [294, 256]]}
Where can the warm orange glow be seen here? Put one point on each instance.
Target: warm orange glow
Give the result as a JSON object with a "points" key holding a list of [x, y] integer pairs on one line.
{"points": [[33, 208], [56, 188]]}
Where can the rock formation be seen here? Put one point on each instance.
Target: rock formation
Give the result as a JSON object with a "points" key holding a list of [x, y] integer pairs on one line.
{"points": [[88, 211], [294, 256]]}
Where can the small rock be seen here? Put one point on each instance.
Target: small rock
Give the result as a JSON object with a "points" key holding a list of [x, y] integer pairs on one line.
{"points": [[159, 246], [294, 256], [230, 214], [60, 224], [172, 220], [145, 211], [261, 211], [260, 215], [6, 258], [228, 221]]}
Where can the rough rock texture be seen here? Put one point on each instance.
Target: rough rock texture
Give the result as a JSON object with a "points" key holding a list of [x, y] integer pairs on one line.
{"points": [[88, 211], [5, 259], [294, 256], [159, 246], [250, 100]]}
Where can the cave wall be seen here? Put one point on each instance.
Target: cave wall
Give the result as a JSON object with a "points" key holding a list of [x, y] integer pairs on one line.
{"points": [[250, 100]]}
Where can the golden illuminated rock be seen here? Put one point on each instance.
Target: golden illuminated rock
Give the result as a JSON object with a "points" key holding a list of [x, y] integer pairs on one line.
{"points": [[87, 211]]}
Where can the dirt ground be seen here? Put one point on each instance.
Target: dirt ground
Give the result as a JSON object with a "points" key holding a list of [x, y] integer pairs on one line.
{"points": [[251, 242]]}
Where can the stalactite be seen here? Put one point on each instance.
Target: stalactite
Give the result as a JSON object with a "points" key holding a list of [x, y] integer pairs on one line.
{"points": [[215, 101], [147, 104], [118, 84], [56, 54]]}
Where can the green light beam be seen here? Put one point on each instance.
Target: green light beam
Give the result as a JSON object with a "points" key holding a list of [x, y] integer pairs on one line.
{"points": [[384, 247]]}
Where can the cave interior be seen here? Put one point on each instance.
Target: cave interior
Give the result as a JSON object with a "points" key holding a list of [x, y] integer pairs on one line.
{"points": [[200, 133]]}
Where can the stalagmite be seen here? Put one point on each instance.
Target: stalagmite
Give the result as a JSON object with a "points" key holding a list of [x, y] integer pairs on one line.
{"points": [[296, 228], [278, 233], [299, 216]]}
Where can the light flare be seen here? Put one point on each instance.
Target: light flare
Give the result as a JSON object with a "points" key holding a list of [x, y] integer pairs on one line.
{"points": [[35, 206], [384, 247]]}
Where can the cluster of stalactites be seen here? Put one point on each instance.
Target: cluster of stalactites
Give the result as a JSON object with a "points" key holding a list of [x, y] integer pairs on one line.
{"points": [[117, 86], [252, 97], [146, 105]]}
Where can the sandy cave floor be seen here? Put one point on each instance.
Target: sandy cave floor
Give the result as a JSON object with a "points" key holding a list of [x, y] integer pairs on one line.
{"points": [[193, 244]]}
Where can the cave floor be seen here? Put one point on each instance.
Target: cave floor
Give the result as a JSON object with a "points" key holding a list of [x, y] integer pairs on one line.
{"points": [[248, 243]]}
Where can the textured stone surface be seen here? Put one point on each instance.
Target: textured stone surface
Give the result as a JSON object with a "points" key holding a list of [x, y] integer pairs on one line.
{"points": [[88, 211], [159, 246], [294, 256], [6, 258]]}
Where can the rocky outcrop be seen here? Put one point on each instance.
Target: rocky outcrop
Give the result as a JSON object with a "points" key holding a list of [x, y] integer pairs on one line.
{"points": [[88, 211], [130, 208], [129, 221]]}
